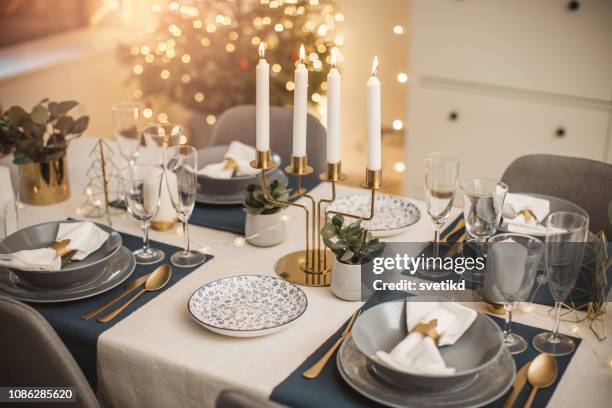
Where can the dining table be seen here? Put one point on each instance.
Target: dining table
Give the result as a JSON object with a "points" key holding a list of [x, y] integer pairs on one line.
{"points": [[158, 356]]}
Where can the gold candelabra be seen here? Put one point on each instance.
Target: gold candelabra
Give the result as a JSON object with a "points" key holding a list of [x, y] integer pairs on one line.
{"points": [[313, 265]]}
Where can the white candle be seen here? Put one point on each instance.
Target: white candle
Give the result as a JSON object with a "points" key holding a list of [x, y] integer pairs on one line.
{"points": [[262, 102], [300, 103], [333, 113], [373, 87]]}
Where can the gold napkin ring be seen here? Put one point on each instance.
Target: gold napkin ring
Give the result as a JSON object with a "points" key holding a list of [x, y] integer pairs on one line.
{"points": [[428, 329], [61, 247]]}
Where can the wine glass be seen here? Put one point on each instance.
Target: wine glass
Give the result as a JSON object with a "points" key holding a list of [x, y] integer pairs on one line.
{"points": [[141, 183], [483, 201], [441, 171], [512, 263], [566, 234], [126, 125], [181, 167], [159, 136]]}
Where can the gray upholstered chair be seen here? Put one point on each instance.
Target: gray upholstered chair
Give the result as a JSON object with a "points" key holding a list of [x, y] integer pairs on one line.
{"points": [[587, 183], [238, 399], [31, 354], [238, 123]]}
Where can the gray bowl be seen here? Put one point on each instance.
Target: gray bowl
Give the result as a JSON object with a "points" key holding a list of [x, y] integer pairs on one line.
{"points": [[383, 326], [42, 235], [227, 191]]}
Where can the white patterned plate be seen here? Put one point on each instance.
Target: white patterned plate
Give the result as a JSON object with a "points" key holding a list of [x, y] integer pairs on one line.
{"points": [[392, 214], [247, 305]]}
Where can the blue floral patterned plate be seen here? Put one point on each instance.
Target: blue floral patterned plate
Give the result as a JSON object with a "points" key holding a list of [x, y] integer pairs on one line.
{"points": [[247, 305], [392, 214]]}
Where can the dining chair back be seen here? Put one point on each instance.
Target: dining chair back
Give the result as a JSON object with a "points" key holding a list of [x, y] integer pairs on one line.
{"points": [[238, 399], [32, 354], [238, 123], [586, 183]]}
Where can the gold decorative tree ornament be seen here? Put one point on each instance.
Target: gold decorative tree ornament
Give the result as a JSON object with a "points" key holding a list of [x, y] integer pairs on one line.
{"points": [[103, 186]]}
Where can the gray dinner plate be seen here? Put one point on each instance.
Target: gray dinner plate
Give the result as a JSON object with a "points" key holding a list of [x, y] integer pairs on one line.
{"points": [[383, 326], [41, 236], [487, 386], [556, 204], [110, 274], [228, 191]]}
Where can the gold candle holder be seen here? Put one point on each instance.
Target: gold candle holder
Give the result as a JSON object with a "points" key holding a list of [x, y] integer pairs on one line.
{"points": [[313, 265]]}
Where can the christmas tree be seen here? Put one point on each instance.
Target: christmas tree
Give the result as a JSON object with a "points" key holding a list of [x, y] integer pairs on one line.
{"points": [[202, 53]]}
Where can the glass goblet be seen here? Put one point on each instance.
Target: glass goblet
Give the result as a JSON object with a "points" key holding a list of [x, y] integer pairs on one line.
{"points": [[141, 185], [126, 126], [441, 171], [566, 234], [512, 263], [483, 200], [181, 167]]}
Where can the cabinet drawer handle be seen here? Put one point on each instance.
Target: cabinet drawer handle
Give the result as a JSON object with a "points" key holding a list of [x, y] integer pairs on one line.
{"points": [[560, 133], [573, 5], [453, 116]]}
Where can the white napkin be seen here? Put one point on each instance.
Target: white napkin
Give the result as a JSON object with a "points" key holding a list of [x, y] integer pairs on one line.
{"points": [[418, 354], [85, 237], [516, 202], [237, 153]]}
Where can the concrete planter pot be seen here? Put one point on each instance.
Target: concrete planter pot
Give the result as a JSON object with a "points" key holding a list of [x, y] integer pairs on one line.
{"points": [[346, 281], [265, 230]]}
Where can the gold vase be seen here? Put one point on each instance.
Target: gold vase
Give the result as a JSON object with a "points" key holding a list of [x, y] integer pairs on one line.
{"points": [[44, 183]]}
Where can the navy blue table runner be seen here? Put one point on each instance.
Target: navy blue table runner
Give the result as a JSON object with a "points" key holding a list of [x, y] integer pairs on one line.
{"points": [[330, 390], [81, 336], [231, 218]]}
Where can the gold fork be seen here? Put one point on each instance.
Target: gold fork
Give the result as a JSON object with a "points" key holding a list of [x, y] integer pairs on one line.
{"points": [[315, 370]]}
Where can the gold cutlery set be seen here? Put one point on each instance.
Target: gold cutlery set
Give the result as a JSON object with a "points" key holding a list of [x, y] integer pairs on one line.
{"points": [[540, 373], [153, 281]]}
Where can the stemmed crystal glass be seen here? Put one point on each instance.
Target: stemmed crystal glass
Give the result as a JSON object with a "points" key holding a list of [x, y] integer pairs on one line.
{"points": [[159, 136], [181, 167], [441, 171], [566, 234], [483, 201], [141, 185], [512, 263], [127, 128]]}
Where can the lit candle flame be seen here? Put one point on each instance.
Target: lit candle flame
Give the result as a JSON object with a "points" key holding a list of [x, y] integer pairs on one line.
{"points": [[333, 58], [375, 66], [302, 54], [262, 50]]}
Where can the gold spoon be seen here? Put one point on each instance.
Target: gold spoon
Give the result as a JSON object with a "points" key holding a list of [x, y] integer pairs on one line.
{"points": [[155, 281], [542, 373]]}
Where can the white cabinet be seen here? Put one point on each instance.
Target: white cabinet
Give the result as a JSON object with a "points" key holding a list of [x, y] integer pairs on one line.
{"points": [[488, 132], [539, 45], [492, 80]]}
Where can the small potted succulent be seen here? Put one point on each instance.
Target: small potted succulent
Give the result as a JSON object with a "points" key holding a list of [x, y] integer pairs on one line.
{"points": [[38, 141], [353, 246], [264, 224]]}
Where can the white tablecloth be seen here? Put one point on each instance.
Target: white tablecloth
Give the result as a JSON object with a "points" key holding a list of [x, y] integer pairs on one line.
{"points": [[159, 357]]}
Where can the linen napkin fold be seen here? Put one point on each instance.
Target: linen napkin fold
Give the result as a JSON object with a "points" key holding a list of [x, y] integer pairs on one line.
{"points": [[236, 161], [419, 354], [85, 237], [514, 222]]}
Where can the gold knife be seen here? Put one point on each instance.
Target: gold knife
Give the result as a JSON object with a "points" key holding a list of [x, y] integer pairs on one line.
{"points": [[519, 383], [460, 224], [457, 247], [128, 289], [316, 369]]}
